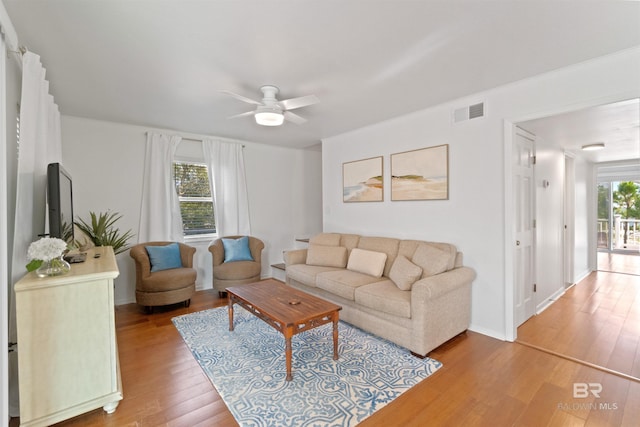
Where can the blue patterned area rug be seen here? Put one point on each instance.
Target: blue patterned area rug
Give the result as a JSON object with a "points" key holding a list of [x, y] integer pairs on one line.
{"points": [[247, 367]]}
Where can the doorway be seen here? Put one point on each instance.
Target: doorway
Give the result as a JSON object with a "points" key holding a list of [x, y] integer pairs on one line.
{"points": [[523, 163], [613, 342], [618, 221]]}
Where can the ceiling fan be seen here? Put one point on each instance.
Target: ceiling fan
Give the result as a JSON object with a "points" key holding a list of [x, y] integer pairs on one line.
{"points": [[270, 111]]}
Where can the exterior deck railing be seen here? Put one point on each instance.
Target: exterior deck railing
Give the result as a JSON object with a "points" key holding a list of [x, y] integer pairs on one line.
{"points": [[614, 239]]}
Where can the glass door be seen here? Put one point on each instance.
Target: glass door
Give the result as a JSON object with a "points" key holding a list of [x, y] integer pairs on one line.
{"points": [[619, 226], [604, 216]]}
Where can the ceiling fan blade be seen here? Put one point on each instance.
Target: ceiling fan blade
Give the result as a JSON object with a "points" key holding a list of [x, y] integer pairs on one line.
{"points": [[294, 118], [248, 113], [241, 98], [303, 101]]}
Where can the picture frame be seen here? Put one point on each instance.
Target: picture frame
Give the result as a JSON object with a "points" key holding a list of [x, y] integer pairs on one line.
{"points": [[363, 180], [421, 174]]}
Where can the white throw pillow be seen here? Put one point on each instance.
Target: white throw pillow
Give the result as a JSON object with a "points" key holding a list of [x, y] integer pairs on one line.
{"points": [[431, 259], [367, 262], [404, 273], [327, 256]]}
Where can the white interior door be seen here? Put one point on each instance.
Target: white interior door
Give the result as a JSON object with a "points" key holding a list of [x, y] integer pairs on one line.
{"points": [[524, 222]]}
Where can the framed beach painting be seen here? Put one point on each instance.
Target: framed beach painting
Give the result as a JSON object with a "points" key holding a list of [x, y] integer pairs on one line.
{"points": [[362, 180], [421, 174]]}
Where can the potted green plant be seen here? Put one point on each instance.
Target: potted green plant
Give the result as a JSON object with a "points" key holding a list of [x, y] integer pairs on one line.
{"points": [[102, 232]]}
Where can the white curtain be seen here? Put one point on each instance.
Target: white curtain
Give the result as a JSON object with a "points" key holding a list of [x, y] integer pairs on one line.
{"points": [[40, 144], [160, 217], [4, 238], [225, 161]]}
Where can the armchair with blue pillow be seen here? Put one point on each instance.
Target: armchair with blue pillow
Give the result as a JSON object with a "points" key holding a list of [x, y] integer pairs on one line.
{"points": [[237, 260], [164, 273]]}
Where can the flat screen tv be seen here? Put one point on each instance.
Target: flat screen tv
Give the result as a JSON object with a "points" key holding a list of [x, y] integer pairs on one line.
{"points": [[60, 202]]}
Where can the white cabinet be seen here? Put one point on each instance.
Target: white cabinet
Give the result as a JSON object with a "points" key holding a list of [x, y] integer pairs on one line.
{"points": [[67, 349]]}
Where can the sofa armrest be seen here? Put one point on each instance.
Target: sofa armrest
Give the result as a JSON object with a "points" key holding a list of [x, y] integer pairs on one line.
{"points": [[186, 255], [440, 308], [296, 256], [433, 287], [141, 258], [217, 252]]}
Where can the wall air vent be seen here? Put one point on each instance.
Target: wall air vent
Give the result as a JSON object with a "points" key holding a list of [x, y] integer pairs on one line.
{"points": [[466, 113], [476, 110]]}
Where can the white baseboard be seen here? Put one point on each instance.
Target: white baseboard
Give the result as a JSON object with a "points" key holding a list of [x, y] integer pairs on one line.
{"points": [[583, 275], [124, 301], [547, 302]]}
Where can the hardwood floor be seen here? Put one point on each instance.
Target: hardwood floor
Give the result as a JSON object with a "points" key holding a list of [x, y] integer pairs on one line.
{"points": [[619, 262], [596, 321], [484, 381]]}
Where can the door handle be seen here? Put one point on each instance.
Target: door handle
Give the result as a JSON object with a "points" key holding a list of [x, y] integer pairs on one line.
{"points": [[517, 242]]}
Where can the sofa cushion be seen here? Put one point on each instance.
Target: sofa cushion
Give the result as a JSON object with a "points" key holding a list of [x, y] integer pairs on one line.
{"points": [[404, 273], [386, 245], [343, 283], [306, 274], [326, 239], [408, 248], [237, 270], [168, 280], [367, 262], [449, 249], [327, 256], [385, 296], [431, 259], [349, 241]]}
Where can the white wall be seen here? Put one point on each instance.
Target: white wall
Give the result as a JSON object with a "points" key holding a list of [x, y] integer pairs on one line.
{"points": [[474, 216], [106, 162]]}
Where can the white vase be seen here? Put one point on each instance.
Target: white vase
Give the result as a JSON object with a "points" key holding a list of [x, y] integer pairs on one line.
{"points": [[54, 267]]}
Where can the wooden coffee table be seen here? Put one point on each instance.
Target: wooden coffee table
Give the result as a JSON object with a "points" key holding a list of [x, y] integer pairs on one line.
{"points": [[287, 309]]}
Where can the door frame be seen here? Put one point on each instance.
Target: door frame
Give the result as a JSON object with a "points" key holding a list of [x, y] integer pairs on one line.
{"points": [[511, 330], [569, 212]]}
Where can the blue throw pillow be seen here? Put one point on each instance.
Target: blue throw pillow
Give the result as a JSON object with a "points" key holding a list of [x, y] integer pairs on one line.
{"points": [[237, 249], [164, 257]]}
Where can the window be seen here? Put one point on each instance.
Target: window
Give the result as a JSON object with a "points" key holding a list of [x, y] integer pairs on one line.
{"points": [[194, 194]]}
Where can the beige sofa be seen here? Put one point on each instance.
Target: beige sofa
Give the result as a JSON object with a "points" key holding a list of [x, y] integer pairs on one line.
{"points": [[414, 293]]}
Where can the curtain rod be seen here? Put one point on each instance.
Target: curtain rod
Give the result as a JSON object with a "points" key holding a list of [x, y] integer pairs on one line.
{"points": [[200, 139], [20, 52], [17, 54], [7, 28]]}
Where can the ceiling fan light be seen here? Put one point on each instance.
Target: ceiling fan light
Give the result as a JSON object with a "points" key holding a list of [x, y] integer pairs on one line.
{"points": [[269, 118], [593, 147]]}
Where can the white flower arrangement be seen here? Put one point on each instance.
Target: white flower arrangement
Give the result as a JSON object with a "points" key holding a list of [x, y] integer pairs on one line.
{"points": [[44, 250]]}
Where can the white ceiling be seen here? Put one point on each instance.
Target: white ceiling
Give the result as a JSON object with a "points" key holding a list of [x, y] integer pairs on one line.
{"points": [[162, 63], [616, 125]]}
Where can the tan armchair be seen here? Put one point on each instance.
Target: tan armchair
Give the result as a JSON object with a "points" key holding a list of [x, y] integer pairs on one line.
{"points": [[237, 272], [166, 286]]}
